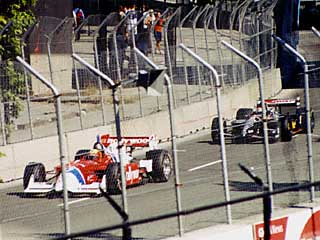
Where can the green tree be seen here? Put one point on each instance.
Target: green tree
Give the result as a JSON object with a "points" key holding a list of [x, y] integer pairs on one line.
{"points": [[20, 15]]}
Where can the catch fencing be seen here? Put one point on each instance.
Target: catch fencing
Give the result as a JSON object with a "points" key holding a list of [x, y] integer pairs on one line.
{"points": [[87, 103], [107, 43]]}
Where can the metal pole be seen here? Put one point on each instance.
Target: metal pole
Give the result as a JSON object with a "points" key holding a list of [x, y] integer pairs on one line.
{"points": [[120, 146], [264, 114], [49, 57], [78, 88], [201, 11], [3, 125], [218, 45], [173, 139], [307, 102], [27, 90], [133, 29], [99, 79], [115, 44], [315, 31], [206, 28], [166, 43], [222, 141], [182, 53], [117, 122], [49, 37], [57, 95]]}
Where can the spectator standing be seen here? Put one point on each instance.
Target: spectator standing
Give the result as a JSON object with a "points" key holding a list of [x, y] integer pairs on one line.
{"points": [[143, 32], [149, 20], [78, 16], [158, 28]]}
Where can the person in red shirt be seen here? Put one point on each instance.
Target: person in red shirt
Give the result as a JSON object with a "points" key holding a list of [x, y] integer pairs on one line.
{"points": [[158, 28]]}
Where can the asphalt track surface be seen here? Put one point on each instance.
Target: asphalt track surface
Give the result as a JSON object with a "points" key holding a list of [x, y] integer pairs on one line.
{"points": [[41, 217]]}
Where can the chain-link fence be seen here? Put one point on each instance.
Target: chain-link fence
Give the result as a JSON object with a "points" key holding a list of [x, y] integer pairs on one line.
{"points": [[107, 42]]}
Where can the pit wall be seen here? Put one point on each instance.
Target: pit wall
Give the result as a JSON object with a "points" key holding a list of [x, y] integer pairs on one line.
{"points": [[188, 119], [301, 223]]}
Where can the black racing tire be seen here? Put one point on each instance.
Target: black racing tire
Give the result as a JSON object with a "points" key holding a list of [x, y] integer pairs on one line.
{"points": [[215, 130], [37, 169], [80, 153], [285, 132], [273, 140], [113, 178], [161, 165]]}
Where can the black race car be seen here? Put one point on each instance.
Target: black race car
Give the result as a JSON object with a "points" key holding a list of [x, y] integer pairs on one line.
{"points": [[285, 118], [247, 127]]}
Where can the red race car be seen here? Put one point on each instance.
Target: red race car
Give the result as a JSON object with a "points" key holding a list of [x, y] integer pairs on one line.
{"points": [[100, 167]]}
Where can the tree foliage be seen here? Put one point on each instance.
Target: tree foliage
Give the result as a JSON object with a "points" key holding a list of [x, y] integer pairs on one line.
{"points": [[20, 16]]}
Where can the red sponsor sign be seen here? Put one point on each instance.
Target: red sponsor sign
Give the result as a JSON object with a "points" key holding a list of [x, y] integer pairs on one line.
{"points": [[278, 229], [140, 141], [311, 229]]}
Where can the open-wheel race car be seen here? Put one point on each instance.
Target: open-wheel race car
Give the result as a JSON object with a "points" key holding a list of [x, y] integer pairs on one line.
{"points": [[285, 118], [99, 167]]}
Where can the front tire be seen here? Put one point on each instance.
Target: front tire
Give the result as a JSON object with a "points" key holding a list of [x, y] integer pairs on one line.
{"points": [[215, 130], [113, 178], [37, 170], [161, 165]]}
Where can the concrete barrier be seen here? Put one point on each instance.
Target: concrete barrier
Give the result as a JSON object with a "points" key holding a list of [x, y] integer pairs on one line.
{"points": [[300, 222], [188, 119]]}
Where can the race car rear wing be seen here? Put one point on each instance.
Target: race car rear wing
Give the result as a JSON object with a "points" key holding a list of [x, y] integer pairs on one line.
{"points": [[279, 102], [283, 101], [141, 141]]}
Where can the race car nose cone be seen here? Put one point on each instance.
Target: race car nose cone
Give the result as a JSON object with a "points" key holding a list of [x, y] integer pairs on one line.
{"points": [[72, 182]]}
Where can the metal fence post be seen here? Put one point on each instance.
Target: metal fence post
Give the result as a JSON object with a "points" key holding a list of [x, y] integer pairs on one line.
{"points": [[77, 87], [173, 139], [264, 114], [3, 126], [134, 27], [221, 130], [57, 96], [182, 53], [116, 52], [26, 78], [117, 122], [49, 37], [307, 102], [194, 26], [215, 15], [206, 28], [167, 47], [96, 55], [315, 31]]}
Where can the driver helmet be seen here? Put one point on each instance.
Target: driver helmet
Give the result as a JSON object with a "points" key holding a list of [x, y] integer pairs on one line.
{"points": [[94, 154]]}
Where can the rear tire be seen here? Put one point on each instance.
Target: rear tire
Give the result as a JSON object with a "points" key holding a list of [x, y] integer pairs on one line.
{"points": [[285, 132], [37, 170], [113, 178], [161, 165]]}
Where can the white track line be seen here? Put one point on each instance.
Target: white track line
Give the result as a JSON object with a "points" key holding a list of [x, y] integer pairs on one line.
{"points": [[203, 166], [75, 201]]}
